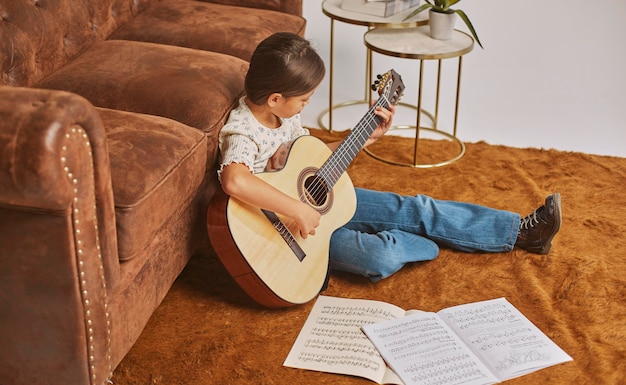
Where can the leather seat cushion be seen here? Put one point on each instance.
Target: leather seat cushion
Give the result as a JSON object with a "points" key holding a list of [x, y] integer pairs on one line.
{"points": [[194, 87], [211, 27], [157, 166]]}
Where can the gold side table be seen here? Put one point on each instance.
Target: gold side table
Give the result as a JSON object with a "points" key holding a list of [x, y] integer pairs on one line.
{"points": [[332, 9], [416, 43]]}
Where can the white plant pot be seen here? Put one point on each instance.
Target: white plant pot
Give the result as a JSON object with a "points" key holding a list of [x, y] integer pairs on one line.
{"points": [[441, 24]]}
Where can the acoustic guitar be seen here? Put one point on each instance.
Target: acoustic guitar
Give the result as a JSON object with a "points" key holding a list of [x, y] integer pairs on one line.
{"points": [[274, 265]]}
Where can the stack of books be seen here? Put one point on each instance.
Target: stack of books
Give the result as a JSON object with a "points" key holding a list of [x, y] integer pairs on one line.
{"points": [[382, 8]]}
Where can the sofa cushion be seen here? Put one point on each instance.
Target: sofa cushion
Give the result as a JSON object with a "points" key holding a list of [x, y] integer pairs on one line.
{"points": [[157, 166], [211, 27], [194, 87]]}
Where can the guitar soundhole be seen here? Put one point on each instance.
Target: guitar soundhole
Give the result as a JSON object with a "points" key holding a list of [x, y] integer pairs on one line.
{"points": [[314, 190]]}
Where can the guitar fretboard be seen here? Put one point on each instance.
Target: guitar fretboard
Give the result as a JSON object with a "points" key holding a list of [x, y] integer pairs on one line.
{"points": [[341, 158]]}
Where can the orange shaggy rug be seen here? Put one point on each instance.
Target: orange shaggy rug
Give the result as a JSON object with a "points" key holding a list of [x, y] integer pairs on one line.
{"points": [[207, 331]]}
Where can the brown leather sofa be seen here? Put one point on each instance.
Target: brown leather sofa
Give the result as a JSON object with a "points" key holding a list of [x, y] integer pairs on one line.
{"points": [[109, 114]]}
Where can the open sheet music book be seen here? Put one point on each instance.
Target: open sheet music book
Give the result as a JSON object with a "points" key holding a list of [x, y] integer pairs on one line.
{"points": [[473, 344], [422, 347]]}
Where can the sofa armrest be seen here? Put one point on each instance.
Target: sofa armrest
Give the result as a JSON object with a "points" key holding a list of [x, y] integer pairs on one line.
{"points": [[58, 259], [293, 7]]}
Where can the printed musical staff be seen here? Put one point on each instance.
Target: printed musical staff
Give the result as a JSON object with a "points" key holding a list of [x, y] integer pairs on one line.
{"points": [[442, 348], [340, 360], [351, 336], [331, 339]]}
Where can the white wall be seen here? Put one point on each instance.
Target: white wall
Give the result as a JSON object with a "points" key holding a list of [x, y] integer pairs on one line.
{"points": [[551, 74]]}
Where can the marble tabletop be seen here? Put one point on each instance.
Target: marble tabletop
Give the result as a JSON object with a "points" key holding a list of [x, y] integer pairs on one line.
{"points": [[416, 43]]}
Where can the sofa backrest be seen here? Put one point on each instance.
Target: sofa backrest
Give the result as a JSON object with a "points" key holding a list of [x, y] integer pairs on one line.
{"points": [[293, 7], [39, 36]]}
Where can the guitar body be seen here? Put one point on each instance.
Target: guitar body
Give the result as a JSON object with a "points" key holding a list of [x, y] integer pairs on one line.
{"points": [[258, 256]]}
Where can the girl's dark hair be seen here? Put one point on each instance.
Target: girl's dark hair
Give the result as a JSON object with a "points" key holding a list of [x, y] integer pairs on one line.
{"points": [[283, 63]]}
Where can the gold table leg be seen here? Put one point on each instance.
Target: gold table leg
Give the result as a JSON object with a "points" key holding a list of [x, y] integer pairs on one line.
{"points": [[368, 91]]}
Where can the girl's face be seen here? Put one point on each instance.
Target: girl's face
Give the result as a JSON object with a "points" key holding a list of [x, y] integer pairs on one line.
{"points": [[286, 107]]}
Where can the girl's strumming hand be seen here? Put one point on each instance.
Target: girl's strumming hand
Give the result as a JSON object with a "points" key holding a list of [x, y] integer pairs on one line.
{"points": [[238, 182], [308, 219]]}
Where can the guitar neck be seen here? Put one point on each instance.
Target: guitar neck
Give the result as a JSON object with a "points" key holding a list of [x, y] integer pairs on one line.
{"points": [[341, 158]]}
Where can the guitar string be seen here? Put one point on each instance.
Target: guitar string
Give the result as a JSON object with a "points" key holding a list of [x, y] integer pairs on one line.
{"points": [[329, 173]]}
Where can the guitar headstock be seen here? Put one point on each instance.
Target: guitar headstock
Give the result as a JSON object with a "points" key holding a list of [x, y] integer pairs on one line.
{"points": [[390, 86]]}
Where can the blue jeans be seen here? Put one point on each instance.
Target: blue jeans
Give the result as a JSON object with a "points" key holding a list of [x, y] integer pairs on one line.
{"points": [[389, 230]]}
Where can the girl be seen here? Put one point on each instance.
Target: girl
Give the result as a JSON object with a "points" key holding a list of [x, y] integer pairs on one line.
{"points": [[387, 230]]}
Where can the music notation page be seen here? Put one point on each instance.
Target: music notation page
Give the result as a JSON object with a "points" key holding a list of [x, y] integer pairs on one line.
{"points": [[422, 349], [473, 344], [331, 339]]}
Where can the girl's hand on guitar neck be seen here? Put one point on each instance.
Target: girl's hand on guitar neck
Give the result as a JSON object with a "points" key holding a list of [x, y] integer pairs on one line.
{"points": [[386, 115]]}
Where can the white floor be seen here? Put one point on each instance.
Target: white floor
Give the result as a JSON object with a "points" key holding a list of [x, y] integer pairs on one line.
{"points": [[522, 90]]}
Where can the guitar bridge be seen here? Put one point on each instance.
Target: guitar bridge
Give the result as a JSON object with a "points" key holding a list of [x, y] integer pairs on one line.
{"points": [[285, 233]]}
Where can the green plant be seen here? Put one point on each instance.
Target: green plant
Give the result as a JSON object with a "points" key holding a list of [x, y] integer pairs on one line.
{"points": [[443, 6]]}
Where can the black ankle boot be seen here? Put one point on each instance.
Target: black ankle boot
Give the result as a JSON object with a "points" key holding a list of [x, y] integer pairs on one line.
{"points": [[537, 229]]}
